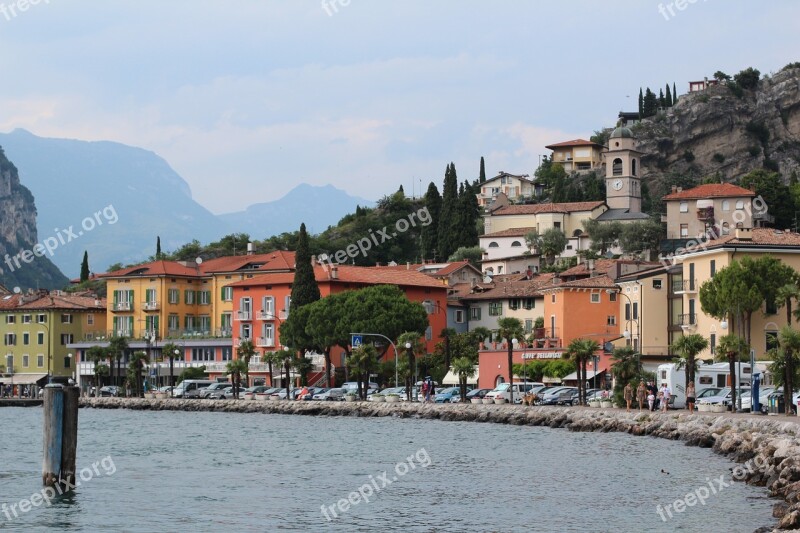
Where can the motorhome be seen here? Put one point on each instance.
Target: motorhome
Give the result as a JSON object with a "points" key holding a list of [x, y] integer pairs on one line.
{"points": [[707, 375]]}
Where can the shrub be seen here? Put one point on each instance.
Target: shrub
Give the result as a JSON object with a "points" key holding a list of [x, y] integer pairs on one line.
{"points": [[748, 78], [754, 151], [771, 164], [719, 158], [758, 130], [736, 89], [688, 156], [796, 64]]}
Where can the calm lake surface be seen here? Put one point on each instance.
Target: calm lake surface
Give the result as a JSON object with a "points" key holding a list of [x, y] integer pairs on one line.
{"points": [[181, 471]]}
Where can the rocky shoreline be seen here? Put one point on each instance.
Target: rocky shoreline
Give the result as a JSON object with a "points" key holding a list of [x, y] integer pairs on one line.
{"points": [[768, 446]]}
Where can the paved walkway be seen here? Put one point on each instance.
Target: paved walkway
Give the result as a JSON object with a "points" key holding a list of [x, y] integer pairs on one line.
{"points": [[727, 414]]}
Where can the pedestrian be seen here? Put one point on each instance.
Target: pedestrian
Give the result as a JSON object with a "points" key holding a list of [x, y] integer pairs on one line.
{"points": [[628, 395], [641, 394], [651, 391], [425, 395], [690, 397], [431, 389], [666, 394]]}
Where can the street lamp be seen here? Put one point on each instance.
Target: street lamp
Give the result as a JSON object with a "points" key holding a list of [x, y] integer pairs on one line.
{"points": [[176, 352], [49, 356], [413, 380], [71, 360], [627, 332], [511, 347], [390, 342]]}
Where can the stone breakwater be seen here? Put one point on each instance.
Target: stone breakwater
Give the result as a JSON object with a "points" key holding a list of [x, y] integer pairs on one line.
{"points": [[772, 443]]}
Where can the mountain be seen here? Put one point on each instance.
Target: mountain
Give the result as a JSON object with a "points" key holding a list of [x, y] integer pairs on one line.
{"points": [[25, 263], [318, 207], [107, 198], [723, 133]]}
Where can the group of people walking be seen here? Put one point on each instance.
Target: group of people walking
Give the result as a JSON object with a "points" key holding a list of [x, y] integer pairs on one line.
{"points": [[428, 391], [650, 396]]}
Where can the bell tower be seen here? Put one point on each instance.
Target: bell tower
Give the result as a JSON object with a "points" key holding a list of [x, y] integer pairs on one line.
{"points": [[623, 184]]}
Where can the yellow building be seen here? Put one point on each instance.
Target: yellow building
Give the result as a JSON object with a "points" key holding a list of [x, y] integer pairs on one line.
{"points": [[577, 155], [37, 328]]}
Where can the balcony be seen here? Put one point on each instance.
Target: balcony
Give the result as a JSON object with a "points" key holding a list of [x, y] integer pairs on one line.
{"points": [[122, 306], [151, 306], [686, 286], [545, 338], [688, 320], [265, 342], [266, 315], [243, 315], [705, 213]]}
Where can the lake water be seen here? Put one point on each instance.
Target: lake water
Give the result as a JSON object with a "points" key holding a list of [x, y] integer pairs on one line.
{"points": [[181, 471]]}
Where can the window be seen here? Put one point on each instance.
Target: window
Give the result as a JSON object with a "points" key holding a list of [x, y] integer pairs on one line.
{"points": [[26, 338], [495, 309], [636, 310], [529, 303], [66, 338], [684, 207], [772, 339], [25, 360], [459, 316], [173, 322], [494, 245], [204, 297], [67, 362], [612, 297], [657, 284], [553, 299], [227, 353], [268, 332], [268, 306], [66, 318], [627, 311], [90, 319], [528, 325], [204, 323], [40, 361], [595, 298], [122, 326], [513, 304], [739, 204], [617, 167], [123, 300], [713, 267], [611, 320], [771, 306], [188, 322], [40, 338], [225, 324], [474, 313], [684, 230], [42, 319], [189, 297], [174, 296], [726, 228], [516, 244], [245, 332], [150, 297], [227, 294], [11, 319], [26, 319], [10, 339], [557, 225], [151, 325], [633, 167]]}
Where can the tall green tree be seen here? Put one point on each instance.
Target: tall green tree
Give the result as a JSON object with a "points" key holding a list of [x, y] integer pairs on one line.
{"points": [[688, 346], [668, 97], [85, 267], [783, 298], [549, 244], [361, 361], [117, 346], [304, 288], [245, 351], [674, 94], [732, 347], [159, 256], [641, 104], [580, 351], [464, 368], [649, 104], [510, 329], [324, 328], [626, 368], [235, 369], [466, 217], [641, 235], [448, 216], [482, 175], [137, 361], [662, 102], [789, 339], [775, 194], [430, 233]]}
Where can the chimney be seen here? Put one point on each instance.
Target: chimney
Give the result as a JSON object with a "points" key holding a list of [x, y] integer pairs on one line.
{"points": [[674, 189], [334, 272], [680, 189], [249, 248], [408, 265], [744, 234], [313, 261], [377, 264]]}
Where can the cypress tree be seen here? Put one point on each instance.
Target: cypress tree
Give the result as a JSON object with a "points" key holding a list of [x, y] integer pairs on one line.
{"points": [[468, 213], [674, 94], [401, 191], [304, 288], [158, 248], [482, 177], [650, 104], [85, 267], [447, 215], [661, 100], [641, 104], [430, 233], [669, 97]]}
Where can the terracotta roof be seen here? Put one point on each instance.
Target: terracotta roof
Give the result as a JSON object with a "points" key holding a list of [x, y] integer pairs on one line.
{"points": [[521, 177], [760, 237], [574, 142], [511, 232], [452, 267], [511, 289], [535, 209], [278, 260], [711, 190], [403, 266], [499, 278], [600, 265], [52, 300], [155, 268], [595, 282], [351, 274]]}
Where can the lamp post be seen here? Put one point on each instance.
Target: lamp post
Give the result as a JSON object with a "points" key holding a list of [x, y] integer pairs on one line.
{"points": [[393, 347], [724, 325], [413, 381], [49, 356], [176, 353], [71, 365], [627, 332]]}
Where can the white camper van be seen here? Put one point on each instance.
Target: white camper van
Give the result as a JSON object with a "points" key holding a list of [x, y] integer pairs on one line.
{"points": [[713, 375]]}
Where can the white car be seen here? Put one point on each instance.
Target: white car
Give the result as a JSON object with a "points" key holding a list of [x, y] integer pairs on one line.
{"points": [[504, 390], [723, 398]]}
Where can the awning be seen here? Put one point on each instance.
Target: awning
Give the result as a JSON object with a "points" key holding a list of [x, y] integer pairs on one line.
{"points": [[22, 379], [589, 375], [452, 378]]}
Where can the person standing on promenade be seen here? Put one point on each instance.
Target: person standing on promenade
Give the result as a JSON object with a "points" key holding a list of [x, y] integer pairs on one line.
{"points": [[690, 396], [425, 395], [628, 395], [666, 393], [641, 394], [651, 391]]}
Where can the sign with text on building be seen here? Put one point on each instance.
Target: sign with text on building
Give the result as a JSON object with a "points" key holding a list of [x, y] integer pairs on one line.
{"points": [[542, 355]]}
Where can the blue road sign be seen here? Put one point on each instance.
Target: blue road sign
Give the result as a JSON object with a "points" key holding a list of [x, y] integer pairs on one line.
{"points": [[356, 341]]}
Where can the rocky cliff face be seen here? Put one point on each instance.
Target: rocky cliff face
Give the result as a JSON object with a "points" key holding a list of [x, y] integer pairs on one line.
{"points": [[715, 133], [18, 233]]}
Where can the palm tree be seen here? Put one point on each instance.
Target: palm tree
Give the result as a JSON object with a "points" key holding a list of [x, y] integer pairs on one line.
{"points": [[790, 344], [732, 347], [97, 355], [625, 368], [235, 369], [136, 364], [172, 351], [689, 346], [480, 334], [784, 296], [464, 369], [117, 346], [361, 361], [273, 358], [245, 352], [446, 334], [581, 350], [510, 329]]}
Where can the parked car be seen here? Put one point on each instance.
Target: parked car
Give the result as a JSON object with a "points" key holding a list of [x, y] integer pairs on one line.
{"points": [[190, 388], [763, 397], [384, 392], [309, 394], [330, 395], [723, 397], [214, 387], [553, 396], [352, 386], [110, 390], [225, 394], [503, 391], [474, 393], [573, 399], [706, 393], [446, 395]]}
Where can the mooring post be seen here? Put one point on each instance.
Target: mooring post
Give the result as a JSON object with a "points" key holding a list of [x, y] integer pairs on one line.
{"points": [[53, 433], [69, 444]]}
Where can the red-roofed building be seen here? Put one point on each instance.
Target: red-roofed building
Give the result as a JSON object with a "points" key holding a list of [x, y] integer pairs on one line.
{"points": [[514, 187], [263, 302], [716, 208], [577, 155]]}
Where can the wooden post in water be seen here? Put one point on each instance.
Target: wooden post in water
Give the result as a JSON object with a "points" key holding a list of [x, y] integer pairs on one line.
{"points": [[53, 433], [60, 434], [69, 443]]}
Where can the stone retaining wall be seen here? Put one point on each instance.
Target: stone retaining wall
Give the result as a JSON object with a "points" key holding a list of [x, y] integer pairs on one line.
{"points": [[771, 443]]}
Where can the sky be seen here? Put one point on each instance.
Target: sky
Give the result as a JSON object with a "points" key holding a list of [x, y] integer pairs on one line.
{"points": [[247, 98]]}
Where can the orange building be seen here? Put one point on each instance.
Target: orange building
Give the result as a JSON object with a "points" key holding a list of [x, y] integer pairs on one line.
{"points": [[261, 304]]}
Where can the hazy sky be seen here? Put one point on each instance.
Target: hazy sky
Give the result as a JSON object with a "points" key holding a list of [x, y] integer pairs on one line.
{"points": [[246, 98]]}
